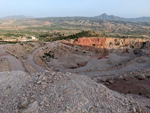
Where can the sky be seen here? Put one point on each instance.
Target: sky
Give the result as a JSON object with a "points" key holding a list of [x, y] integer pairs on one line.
{"points": [[63, 8]]}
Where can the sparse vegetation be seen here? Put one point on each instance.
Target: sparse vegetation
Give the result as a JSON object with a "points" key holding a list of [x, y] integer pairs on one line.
{"points": [[72, 28], [93, 44], [148, 107], [59, 36], [117, 44], [132, 46], [49, 28], [49, 55], [14, 35]]}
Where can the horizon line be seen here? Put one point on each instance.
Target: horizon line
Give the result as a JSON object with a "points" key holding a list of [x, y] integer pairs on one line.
{"points": [[70, 16]]}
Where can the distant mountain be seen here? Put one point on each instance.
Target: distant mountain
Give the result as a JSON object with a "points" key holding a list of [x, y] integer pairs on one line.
{"points": [[104, 16], [112, 17], [17, 17]]}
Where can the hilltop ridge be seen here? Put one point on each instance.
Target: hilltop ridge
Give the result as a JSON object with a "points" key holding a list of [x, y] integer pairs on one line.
{"points": [[17, 17], [103, 16]]}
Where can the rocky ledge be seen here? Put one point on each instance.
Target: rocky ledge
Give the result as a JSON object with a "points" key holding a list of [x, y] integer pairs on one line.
{"points": [[56, 92]]}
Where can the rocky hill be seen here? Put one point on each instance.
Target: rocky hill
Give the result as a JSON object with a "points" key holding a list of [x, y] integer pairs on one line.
{"points": [[17, 17], [56, 92], [104, 16]]}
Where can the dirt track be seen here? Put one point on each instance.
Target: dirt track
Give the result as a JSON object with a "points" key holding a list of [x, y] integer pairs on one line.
{"points": [[31, 61], [15, 64], [132, 67]]}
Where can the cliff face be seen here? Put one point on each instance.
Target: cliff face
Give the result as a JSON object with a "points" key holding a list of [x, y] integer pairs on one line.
{"points": [[127, 42], [107, 42], [105, 45], [97, 45], [96, 42]]}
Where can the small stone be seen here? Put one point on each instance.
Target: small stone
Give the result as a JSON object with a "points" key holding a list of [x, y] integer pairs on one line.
{"points": [[120, 77], [33, 108], [33, 96], [50, 77], [111, 81], [44, 85], [133, 109], [140, 77], [40, 77], [51, 81], [148, 76], [68, 73], [139, 110], [53, 73], [95, 79], [46, 71], [96, 105], [107, 83], [39, 82], [24, 103], [42, 103], [103, 79]]}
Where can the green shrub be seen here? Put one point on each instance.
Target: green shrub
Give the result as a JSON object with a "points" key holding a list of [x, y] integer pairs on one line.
{"points": [[49, 55], [148, 107], [117, 44], [29, 37], [93, 44]]}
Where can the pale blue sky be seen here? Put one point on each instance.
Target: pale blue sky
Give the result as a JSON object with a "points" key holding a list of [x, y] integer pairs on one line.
{"points": [[62, 8]]}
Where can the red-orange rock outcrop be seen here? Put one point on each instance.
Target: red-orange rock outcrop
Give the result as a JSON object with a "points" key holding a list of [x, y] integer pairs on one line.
{"points": [[101, 46], [93, 44]]}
